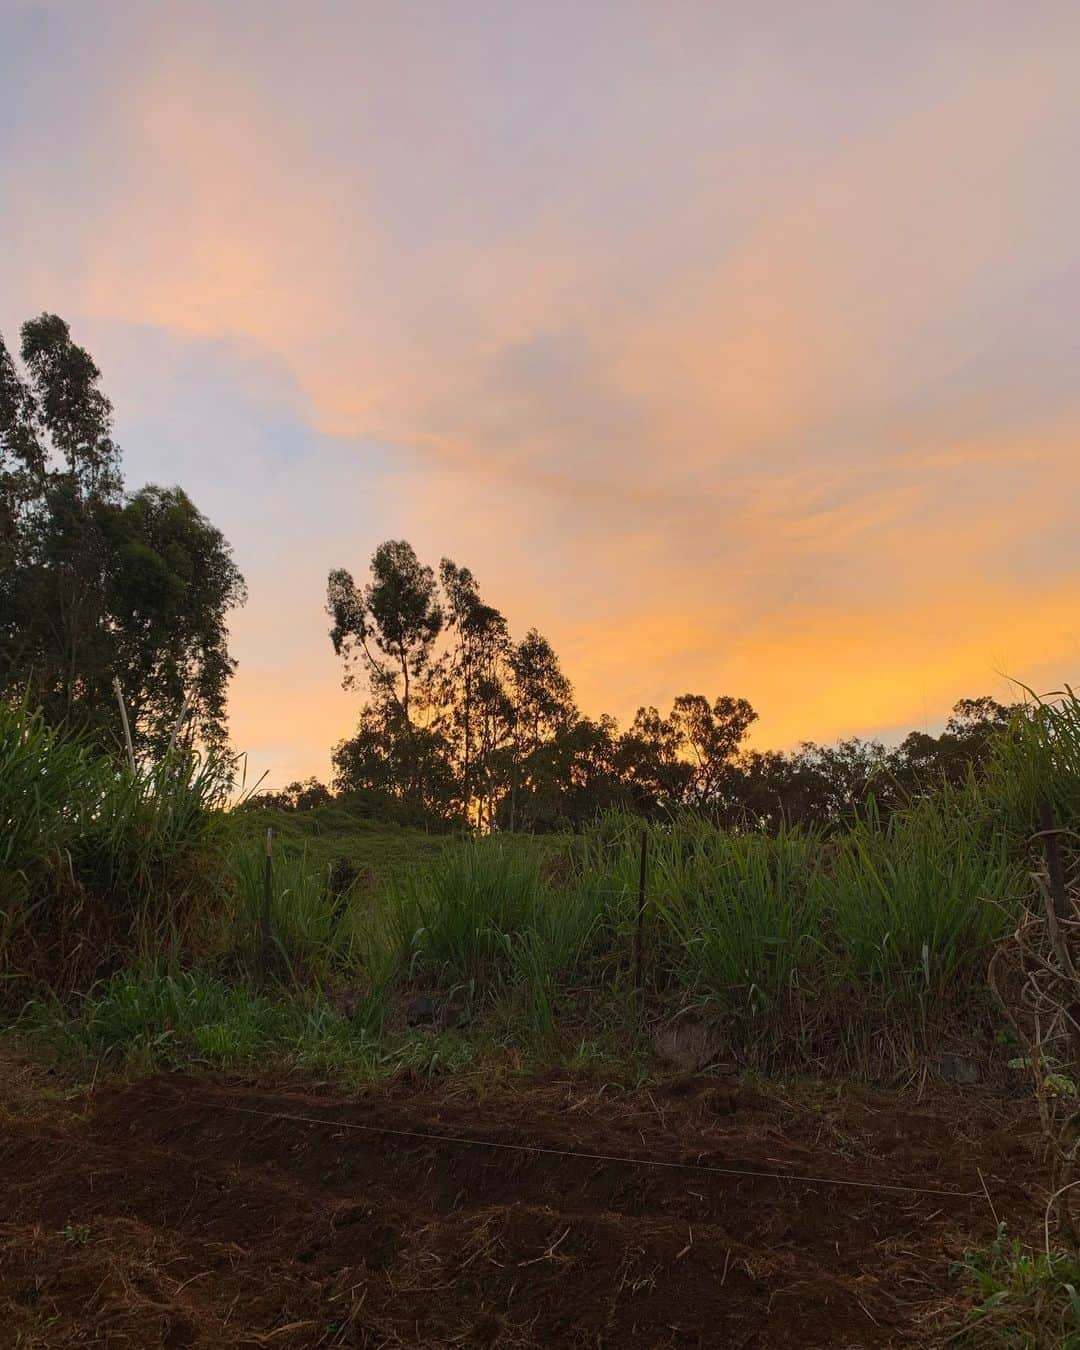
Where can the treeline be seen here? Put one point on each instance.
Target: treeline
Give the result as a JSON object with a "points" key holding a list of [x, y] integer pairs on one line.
{"points": [[96, 584], [463, 724]]}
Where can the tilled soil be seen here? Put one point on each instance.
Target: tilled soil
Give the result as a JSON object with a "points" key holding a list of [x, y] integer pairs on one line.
{"points": [[180, 1211]]}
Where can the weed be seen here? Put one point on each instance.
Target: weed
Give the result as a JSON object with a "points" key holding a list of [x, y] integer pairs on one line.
{"points": [[1022, 1297]]}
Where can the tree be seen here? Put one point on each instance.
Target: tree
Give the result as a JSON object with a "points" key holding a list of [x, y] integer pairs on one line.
{"points": [[94, 585], [568, 779], [388, 756], [541, 705], [391, 625], [711, 736], [922, 761], [651, 765], [300, 795], [170, 582], [474, 687]]}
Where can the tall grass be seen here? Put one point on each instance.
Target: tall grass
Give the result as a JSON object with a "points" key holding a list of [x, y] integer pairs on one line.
{"points": [[739, 916], [799, 943], [97, 862], [804, 943], [485, 919], [1038, 761], [911, 907], [314, 933]]}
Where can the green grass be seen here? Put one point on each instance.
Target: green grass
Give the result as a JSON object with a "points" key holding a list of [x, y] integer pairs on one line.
{"points": [[912, 907], [379, 850], [487, 919], [853, 949], [151, 1019], [731, 919], [1020, 1297], [98, 861], [1037, 761]]}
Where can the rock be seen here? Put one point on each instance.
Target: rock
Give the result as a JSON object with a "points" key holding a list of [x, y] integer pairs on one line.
{"points": [[722, 1101], [453, 1015], [689, 1043], [348, 1002], [959, 1069], [421, 1011]]}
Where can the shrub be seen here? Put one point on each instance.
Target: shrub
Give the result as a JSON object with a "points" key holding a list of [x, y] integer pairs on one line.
{"points": [[100, 863]]}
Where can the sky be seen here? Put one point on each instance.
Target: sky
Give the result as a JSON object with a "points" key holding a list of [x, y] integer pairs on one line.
{"points": [[735, 346]]}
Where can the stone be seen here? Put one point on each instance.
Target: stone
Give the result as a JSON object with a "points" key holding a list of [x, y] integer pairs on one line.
{"points": [[421, 1011], [959, 1069], [348, 1003], [689, 1043], [453, 1015]]}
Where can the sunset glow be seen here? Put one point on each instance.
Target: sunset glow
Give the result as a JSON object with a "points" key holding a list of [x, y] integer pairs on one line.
{"points": [[735, 347]]}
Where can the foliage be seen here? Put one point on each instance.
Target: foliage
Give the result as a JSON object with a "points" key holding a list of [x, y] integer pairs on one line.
{"points": [[1022, 1297], [1036, 761], [858, 944], [485, 919], [389, 627], [915, 903], [94, 585], [152, 1018], [99, 863], [740, 917], [463, 722]]}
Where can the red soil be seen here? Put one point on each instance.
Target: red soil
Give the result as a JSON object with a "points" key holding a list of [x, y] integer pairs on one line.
{"points": [[182, 1211]]}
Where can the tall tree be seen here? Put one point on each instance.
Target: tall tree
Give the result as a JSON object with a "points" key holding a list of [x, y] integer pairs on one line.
{"points": [[406, 763], [170, 582], [474, 687], [390, 626], [711, 735], [541, 706], [652, 764], [93, 585]]}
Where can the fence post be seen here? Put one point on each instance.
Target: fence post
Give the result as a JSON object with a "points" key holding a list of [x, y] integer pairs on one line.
{"points": [[1055, 869], [265, 936], [639, 936], [124, 719]]}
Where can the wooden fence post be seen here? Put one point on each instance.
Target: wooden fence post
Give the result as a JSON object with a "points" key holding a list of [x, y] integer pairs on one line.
{"points": [[1055, 868], [265, 935], [639, 936], [124, 719]]}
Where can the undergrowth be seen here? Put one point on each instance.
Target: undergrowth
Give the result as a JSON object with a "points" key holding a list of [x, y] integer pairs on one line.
{"points": [[853, 949], [1021, 1297], [152, 1019], [101, 863]]}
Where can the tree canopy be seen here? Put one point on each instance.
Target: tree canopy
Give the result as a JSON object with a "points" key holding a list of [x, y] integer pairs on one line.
{"points": [[96, 584], [464, 723]]}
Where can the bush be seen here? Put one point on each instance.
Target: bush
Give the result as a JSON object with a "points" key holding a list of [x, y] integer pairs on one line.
{"points": [[486, 917], [913, 907], [100, 864]]}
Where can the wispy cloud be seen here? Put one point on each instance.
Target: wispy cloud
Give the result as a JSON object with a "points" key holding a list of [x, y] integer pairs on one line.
{"points": [[735, 355]]}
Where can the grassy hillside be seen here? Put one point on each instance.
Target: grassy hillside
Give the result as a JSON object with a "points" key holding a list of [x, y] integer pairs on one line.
{"points": [[327, 834]]}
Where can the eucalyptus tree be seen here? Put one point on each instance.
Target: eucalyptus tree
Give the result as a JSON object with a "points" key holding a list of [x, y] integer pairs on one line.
{"points": [[96, 585]]}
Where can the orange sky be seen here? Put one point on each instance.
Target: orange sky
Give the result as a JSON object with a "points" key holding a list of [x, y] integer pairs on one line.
{"points": [[734, 346]]}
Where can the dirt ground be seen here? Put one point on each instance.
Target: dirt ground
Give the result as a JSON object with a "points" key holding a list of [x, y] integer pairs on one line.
{"points": [[180, 1211]]}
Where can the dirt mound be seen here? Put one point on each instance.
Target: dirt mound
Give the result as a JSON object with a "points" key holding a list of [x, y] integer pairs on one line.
{"points": [[201, 1212]]}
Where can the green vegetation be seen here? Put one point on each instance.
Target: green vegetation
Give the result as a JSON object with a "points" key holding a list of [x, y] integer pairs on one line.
{"points": [[96, 585], [1022, 1298], [375, 846], [152, 1019], [135, 901], [101, 864]]}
